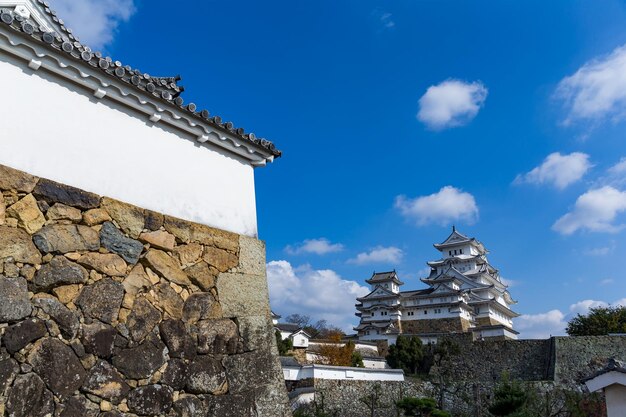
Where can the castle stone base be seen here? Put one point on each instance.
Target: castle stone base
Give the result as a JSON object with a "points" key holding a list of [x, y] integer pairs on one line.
{"points": [[435, 326]]}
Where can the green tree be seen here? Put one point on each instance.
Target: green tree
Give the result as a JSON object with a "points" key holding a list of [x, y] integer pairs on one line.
{"points": [[284, 346], [420, 407], [509, 400], [357, 360], [600, 321], [406, 354]]}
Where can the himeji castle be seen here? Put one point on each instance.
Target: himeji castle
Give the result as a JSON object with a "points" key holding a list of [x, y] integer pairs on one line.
{"points": [[465, 294]]}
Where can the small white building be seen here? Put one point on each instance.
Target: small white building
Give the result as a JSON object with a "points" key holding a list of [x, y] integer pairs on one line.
{"points": [[299, 338], [465, 294], [612, 381]]}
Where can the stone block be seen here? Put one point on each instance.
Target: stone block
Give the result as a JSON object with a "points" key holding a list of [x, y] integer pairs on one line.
{"points": [[179, 341], [66, 319], [105, 382], [166, 266], [257, 333], [189, 254], [14, 301], [151, 400], [202, 275], [98, 339], [53, 192], [96, 216], [206, 375], [137, 281], [17, 244], [201, 306], [101, 300], [106, 263], [159, 239], [251, 256], [243, 295], [59, 271], [62, 212], [143, 318], [60, 238], [215, 336], [28, 397], [188, 232], [169, 300], [12, 179], [27, 213], [142, 361], [130, 218], [58, 366], [265, 366], [115, 241], [21, 334]]}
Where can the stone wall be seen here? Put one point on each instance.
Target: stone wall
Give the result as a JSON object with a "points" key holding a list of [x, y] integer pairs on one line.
{"points": [[435, 325], [107, 309]]}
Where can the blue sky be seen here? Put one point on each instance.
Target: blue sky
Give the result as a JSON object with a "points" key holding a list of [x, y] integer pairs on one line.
{"points": [[399, 118]]}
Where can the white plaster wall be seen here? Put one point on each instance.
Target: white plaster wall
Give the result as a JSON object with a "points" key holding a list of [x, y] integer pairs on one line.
{"points": [[615, 400], [345, 373], [67, 136], [300, 340]]}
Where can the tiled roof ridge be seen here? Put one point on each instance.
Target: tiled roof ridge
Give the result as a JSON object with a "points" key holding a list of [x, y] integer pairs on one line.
{"points": [[161, 88]]}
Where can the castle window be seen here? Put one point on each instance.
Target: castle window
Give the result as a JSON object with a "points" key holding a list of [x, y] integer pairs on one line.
{"points": [[425, 311], [450, 252], [461, 251]]}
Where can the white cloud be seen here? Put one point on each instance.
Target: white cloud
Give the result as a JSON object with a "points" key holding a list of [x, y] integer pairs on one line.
{"points": [[607, 281], [451, 103], [601, 251], [554, 322], [447, 205], [380, 254], [595, 211], [597, 90], [619, 168], [385, 19], [321, 294], [541, 326], [558, 170], [317, 246], [94, 22]]}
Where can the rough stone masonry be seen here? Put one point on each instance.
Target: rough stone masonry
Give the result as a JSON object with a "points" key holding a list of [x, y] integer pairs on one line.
{"points": [[107, 309]]}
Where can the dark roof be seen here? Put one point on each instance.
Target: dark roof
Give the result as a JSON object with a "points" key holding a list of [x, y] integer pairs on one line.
{"points": [[384, 276], [288, 327], [165, 89], [276, 316], [613, 366]]}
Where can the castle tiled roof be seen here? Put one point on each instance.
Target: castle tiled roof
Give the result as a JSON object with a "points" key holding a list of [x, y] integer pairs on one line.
{"points": [[163, 89]]}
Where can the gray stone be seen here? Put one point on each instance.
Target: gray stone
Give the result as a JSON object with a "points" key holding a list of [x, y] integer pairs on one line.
{"points": [[142, 319], [28, 397], [142, 361], [175, 374], [14, 302], [251, 256], [179, 341], [17, 244], [251, 370], [61, 238], [115, 241], [151, 400], [8, 371], [53, 192], [99, 339], [105, 382], [128, 217], [21, 334], [243, 295], [58, 272], [233, 406], [58, 366], [189, 406], [217, 336], [67, 320], [201, 306], [102, 300], [62, 212], [257, 333], [79, 406], [206, 375], [153, 221]]}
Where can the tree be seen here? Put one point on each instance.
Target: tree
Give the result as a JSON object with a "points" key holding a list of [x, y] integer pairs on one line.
{"points": [[284, 346], [406, 354], [336, 352], [509, 399], [318, 330], [599, 322], [357, 360], [420, 407]]}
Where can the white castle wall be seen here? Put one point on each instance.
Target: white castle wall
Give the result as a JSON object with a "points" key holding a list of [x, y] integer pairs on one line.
{"points": [[67, 136]]}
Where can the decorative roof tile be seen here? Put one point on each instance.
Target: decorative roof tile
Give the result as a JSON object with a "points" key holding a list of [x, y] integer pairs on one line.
{"points": [[164, 89]]}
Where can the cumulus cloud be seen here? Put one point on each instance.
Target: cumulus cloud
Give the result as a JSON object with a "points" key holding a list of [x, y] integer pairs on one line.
{"points": [[320, 294], [619, 168], [380, 254], [451, 103], [558, 170], [447, 205], [597, 90], [94, 21], [317, 246], [541, 326], [554, 322], [601, 251], [594, 211]]}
